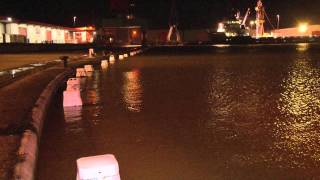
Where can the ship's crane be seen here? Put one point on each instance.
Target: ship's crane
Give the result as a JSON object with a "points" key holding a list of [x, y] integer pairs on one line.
{"points": [[243, 24]]}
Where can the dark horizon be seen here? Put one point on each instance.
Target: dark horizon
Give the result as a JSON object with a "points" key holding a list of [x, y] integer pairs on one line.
{"points": [[191, 14]]}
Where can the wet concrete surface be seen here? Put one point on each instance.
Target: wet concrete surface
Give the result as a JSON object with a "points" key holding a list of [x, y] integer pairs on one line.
{"points": [[11, 61], [240, 112]]}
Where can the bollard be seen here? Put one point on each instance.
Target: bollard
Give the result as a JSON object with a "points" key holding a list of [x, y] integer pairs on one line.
{"points": [[125, 55], [73, 84], [112, 59], [81, 72], [65, 60], [72, 98], [88, 68], [91, 52], [98, 167], [121, 57]]}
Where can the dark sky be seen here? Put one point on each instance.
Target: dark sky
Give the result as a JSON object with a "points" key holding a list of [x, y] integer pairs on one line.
{"points": [[192, 13]]}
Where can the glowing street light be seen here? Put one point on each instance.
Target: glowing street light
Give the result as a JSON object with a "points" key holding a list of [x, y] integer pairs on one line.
{"points": [[303, 27], [252, 23], [221, 28], [9, 19]]}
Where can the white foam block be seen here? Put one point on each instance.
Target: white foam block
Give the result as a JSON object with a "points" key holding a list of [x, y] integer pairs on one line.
{"points": [[72, 98], [88, 68], [81, 72], [98, 167]]}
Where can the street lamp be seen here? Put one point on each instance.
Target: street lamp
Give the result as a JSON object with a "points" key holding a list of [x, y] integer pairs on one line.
{"points": [[278, 21], [74, 20], [9, 19]]}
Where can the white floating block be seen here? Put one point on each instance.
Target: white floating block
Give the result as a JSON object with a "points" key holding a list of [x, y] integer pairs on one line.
{"points": [[88, 68], [91, 52], [81, 72], [73, 84], [104, 64], [125, 55], [121, 57], [112, 59], [72, 98], [98, 167]]}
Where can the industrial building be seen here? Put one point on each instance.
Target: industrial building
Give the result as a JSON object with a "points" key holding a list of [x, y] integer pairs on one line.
{"points": [[18, 31], [121, 31]]}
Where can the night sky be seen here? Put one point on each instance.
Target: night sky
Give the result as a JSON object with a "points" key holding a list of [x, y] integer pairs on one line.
{"points": [[191, 13]]}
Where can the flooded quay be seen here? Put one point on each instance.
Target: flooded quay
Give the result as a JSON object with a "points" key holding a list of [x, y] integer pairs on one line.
{"points": [[186, 113]]}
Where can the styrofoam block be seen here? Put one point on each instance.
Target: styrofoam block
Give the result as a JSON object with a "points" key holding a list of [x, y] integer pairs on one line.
{"points": [[112, 59], [73, 81], [104, 64], [72, 98], [98, 167], [88, 68], [81, 72], [91, 52]]}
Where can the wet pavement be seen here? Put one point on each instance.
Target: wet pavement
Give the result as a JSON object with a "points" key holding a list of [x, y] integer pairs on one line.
{"points": [[239, 112]]}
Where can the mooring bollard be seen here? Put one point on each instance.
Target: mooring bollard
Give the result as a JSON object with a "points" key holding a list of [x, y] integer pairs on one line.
{"points": [[98, 167], [88, 68], [81, 72], [64, 59]]}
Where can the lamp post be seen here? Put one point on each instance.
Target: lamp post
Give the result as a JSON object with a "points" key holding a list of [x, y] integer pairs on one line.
{"points": [[278, 21], [74, 20]]}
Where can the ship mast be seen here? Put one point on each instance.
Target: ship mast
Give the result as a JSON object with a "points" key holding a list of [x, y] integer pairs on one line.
{"points": [[260, 19]]}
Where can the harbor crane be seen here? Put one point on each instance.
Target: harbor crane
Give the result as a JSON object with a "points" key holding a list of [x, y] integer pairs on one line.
{"points": [[260, 19], [173, 24]]}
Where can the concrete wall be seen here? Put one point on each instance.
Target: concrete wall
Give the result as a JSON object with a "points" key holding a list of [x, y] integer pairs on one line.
{"points": [[159, 36], [195, 35]]}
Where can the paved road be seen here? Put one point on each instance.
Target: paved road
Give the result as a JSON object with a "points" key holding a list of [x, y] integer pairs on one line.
{"points": [[8, 61]]}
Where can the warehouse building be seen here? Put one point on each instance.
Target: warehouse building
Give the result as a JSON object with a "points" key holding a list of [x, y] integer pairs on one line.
{"points": [[17, 31]]}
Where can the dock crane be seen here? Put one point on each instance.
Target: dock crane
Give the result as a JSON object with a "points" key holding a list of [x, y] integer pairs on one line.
{"points": [[173, 24]]}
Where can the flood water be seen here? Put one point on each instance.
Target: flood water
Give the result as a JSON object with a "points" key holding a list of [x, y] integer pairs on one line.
{"points": [[238, 112]]}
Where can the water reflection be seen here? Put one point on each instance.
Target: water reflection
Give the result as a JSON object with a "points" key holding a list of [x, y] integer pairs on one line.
{"points": [[132, 91], [73, 119], [92, 99], [302, 47], [297, 129]]}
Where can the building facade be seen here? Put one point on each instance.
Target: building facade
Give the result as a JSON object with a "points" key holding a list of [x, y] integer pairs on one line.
{"points": [[17, 31]]}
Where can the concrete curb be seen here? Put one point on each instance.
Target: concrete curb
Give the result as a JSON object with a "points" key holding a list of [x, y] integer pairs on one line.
{"points": [[28, 150]]}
